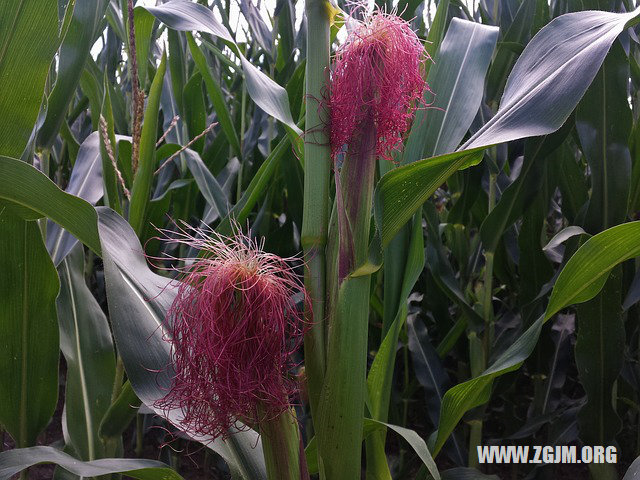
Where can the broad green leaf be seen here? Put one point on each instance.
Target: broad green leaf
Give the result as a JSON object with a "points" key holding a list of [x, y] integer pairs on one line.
{"points": [[85, 341], [138, 303], [144, 22], [603, 124], [16, 460], [24, 66], [587, 270], [600, 339], [402, 191], [39, 197], [472, 393], [28, 322], [73, 55], [267, 94], [545, 85], [457, 82], [552, 74]]}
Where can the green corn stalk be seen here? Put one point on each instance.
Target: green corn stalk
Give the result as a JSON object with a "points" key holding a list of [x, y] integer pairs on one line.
{"points": [[342, 399], [317, 173], [281, 443]]}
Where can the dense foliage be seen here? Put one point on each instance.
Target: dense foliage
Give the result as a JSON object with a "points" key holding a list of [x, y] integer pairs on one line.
{"points": [[479, 287]]}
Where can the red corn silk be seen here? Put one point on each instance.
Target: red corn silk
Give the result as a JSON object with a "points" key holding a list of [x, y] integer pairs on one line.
{"points": [[378, 72], [233, 330]]}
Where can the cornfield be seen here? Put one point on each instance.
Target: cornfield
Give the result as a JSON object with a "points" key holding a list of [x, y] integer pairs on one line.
{"points": [[300, 239]]}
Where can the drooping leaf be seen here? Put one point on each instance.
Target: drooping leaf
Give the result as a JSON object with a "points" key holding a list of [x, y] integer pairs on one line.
{"points": [[207, 183], [267, 94], [552, 74], [579, 281], [587, 270], [16, 460], [38, 197], [412, 438]]}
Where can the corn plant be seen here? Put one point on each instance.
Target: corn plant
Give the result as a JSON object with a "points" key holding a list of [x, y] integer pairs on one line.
{"points": [[290, 240]]}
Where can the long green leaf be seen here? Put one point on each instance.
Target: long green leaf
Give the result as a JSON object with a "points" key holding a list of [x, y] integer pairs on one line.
{"points": [[39, 197], [603, 124], [401, 192], [600, 339], [24, 66], [14, 461], [85, 341], [29, 342], [457, 81], [215, 94], [587, 270], [73, 55], [144, 22]]}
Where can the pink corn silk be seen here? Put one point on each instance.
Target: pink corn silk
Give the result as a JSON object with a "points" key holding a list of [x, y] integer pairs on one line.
{"points": [[233, 332], [378, 72]]}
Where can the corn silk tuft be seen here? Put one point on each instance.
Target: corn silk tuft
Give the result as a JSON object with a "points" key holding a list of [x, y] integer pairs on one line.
{"points": [[234, 328], [378, 72]]}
